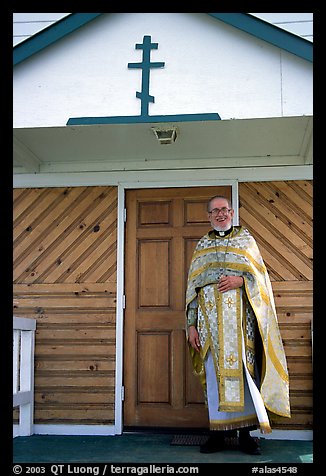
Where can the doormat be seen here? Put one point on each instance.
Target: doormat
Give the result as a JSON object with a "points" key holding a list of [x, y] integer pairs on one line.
{"points": [[197, 440], [188, 440]]}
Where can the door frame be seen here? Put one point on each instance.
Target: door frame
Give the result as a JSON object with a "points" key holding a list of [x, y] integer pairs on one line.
{"points": [[121, 215]]}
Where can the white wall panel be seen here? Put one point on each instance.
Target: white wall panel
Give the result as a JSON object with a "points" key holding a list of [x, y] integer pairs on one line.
{"points": [[209, 67]]}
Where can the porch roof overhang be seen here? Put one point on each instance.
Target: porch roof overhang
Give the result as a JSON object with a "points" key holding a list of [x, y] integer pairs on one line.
{"points": [[133, 146]]}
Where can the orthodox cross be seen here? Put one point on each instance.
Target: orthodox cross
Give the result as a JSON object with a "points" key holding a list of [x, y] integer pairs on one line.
{"points": [[146, 65]]}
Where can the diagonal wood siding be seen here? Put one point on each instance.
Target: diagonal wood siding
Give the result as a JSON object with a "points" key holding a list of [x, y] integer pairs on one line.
{"points": [[65, 235], [65, 276], [279, 214]]}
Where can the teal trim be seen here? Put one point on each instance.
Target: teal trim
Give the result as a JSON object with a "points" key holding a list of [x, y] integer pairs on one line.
{"points": [[145, 119], [267, 32], [243, 21], [51, 34]]}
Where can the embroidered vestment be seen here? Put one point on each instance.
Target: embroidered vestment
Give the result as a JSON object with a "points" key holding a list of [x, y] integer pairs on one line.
{"points": [[234, 324]]}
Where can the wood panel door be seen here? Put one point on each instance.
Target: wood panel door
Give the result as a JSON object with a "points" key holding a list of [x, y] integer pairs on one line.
{"points": [[162, 229]]}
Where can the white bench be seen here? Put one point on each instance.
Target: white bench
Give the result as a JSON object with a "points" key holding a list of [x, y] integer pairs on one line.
{"points": [[23, 373]]}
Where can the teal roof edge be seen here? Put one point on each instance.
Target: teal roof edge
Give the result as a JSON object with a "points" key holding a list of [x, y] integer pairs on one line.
{"points": [[50, 35], [83, 121], [268, 32], [243, 21]]}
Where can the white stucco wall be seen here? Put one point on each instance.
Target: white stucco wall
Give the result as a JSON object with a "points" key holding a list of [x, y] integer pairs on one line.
{"points": [[209, 67]]}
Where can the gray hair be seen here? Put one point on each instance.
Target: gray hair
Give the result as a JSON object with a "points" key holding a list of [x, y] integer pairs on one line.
{"points": [[218, 196]]}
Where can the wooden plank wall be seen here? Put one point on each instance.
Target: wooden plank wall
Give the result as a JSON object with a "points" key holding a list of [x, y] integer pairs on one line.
{"points": [[65, 276], [279, 214]]}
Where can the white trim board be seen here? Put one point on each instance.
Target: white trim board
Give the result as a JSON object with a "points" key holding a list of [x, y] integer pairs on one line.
{"points": [[118, 407], [92, 430], [296, 435], [108, 430], [170, 178]]}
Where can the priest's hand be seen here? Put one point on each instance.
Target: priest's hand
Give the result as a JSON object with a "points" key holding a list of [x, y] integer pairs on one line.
{"points": [[193, 338], [226, 283]]}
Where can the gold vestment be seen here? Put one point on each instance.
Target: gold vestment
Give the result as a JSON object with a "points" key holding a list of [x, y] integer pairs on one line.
{"points": [[221, 316]]}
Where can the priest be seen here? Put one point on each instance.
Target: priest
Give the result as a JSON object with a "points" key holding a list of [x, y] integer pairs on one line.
{"points": [[233, 335]]}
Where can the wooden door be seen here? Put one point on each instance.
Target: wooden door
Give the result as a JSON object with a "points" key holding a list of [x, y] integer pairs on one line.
{"points": [[162, 229]]}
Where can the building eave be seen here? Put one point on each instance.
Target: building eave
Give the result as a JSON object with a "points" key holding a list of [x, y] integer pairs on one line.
{"points": [[266, 31], [243, 21]]}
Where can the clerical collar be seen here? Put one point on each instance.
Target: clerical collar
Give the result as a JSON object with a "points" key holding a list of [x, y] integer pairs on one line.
{"points": [[223, 233]]}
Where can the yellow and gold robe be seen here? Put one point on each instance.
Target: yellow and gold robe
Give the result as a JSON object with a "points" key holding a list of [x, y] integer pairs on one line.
{"points": [[243, 316]]}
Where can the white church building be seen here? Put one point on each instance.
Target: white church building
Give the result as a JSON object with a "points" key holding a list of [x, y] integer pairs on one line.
{"points": [[124, 125]]}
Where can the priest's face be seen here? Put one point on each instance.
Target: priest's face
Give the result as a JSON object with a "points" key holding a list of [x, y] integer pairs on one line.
{"points": [[220, 215]]}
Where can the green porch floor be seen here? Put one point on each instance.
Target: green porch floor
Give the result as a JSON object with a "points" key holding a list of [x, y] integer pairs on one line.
{"points": [[147, 448]]}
